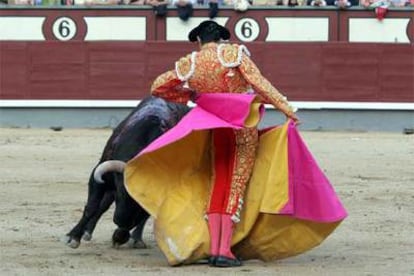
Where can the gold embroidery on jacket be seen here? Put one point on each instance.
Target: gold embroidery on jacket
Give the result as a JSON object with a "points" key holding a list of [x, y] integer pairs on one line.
{"points": [[212, 77]]}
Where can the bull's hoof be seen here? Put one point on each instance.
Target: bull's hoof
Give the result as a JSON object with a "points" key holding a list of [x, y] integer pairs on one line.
{"points": [[71, 242], [139, 244], [87, 236], [120, 237]]}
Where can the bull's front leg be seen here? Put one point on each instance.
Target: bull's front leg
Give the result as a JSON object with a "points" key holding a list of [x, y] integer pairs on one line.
{"points": [[108, 199], [95, 195]]}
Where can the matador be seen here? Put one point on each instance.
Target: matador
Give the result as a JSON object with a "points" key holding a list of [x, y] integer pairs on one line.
{"points": [[220, 67], [217, 187]]}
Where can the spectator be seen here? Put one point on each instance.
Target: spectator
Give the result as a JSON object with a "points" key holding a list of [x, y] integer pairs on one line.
{"points": [[241, 5], [372, 3], [159, 6], [399, 3], [317, 3], [264, 2], [342, 4], [213, 6], [380, 7], [134, 2], [292, 3], [92, 2], [21, 2], [184, 8], [102, 2]]}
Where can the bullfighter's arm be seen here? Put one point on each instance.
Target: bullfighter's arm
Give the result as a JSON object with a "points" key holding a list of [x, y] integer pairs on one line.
{"points": [[169, 86], [264, 88]]}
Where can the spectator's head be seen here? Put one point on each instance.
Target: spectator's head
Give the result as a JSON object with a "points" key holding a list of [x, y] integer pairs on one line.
{"points": [[185, 11], [342, 4], [292, 3], [208, 31], [318, 3]]}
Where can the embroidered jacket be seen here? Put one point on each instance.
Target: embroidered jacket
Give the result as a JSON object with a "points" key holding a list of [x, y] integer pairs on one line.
{"points": [[217, 68]]}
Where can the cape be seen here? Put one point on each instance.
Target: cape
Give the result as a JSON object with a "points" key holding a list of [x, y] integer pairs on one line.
{"points": [[289, 206]]}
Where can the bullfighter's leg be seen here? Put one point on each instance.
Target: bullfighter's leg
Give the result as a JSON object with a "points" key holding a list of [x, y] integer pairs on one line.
{"points": [[246, 147], [233, 169], [223, 154]]}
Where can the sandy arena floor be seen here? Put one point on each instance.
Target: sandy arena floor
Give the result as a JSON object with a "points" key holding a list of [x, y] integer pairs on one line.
{"points": [[43, 187]]}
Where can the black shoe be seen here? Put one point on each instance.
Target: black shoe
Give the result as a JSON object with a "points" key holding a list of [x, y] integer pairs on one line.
{"points": [[222, 261], [212, 260]]}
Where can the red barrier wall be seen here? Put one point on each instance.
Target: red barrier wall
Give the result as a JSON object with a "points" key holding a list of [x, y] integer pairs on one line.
{"points": [[333, 70], [110, 70]]}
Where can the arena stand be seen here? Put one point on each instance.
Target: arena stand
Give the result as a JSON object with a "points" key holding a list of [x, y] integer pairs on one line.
{"points": [[88, 66]]}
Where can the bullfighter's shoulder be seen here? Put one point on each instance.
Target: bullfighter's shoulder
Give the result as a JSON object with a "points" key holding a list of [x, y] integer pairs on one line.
{"points": [[183, 65], [231, 54]]}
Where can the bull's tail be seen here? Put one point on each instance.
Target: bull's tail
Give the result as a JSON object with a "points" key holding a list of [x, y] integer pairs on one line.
{"points": [[108, 166]]}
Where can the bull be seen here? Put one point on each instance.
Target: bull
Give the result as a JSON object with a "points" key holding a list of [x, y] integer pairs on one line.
{"points": [[150, 119]]}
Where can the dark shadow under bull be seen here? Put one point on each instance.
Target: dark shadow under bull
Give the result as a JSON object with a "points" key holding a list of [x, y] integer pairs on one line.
{"points": [[150, 119]]}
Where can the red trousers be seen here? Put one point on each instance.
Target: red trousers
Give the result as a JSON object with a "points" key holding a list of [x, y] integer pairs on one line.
{"points": [[233, 155]]}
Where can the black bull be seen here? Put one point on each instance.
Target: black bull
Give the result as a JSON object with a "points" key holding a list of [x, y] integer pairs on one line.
{"points": [[151, 118]]}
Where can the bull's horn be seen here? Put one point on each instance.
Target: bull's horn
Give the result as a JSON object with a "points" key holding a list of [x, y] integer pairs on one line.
{"points": [[108, 166]]}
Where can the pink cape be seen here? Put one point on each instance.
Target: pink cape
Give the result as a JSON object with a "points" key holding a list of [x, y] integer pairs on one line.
{"points": [[290, 205], [311, 195]]}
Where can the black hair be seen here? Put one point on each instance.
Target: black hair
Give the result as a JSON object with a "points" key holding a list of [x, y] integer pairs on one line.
{"points": [[211, 33]]}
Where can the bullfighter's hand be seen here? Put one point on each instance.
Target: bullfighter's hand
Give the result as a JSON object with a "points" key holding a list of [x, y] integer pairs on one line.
{"points": [[294, 118]]}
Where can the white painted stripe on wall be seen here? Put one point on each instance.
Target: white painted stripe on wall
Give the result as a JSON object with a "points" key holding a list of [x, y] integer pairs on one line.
{"points": [[132, 103], [354, 105], [297, 29], [177, 30], [116, 28], [69, 103], [374, 30], [27, 28]]}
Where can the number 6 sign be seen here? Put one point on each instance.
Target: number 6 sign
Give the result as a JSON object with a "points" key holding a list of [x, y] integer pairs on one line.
{"points": [[247, 29], [64, 28]]}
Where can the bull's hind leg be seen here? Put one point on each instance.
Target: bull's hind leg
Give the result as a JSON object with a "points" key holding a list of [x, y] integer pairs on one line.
{"points": [[126, 210], [122, 234], [137, 241], [128, 215], [106, 202]]}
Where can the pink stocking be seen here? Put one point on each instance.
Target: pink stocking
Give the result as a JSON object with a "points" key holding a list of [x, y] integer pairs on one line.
{"points": [[227, 226], [214, 227]]}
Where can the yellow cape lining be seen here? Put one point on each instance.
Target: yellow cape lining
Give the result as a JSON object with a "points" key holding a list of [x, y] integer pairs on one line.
{"points": [[173, 185]]}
